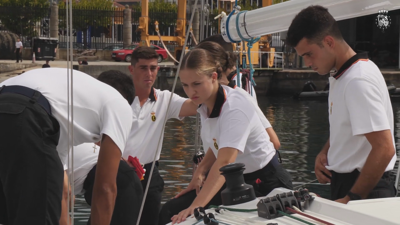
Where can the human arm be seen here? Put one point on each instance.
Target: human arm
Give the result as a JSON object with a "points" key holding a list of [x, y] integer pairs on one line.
{"points": [[189, 108], [105, 188], [381, 153], [273, 138], [65, 218], [321, 161], [212, 185], [200, 173]]}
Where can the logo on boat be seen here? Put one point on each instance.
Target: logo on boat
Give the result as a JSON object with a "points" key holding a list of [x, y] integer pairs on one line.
{"points": [[330, 110], [383, 20], [215, 143], [153, 116]]}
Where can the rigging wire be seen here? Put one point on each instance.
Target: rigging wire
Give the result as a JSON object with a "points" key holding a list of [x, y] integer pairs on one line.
{"points": [[164, 122]]}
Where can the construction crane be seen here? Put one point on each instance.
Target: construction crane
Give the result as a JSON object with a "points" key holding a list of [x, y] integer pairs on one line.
{"points": [[180, 27]]}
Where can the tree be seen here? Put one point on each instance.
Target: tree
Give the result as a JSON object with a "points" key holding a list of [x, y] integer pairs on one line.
{"points": [[87, 13], [163, 12], [22, 16]]}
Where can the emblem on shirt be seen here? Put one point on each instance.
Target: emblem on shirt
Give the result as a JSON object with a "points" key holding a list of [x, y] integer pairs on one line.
{"points": [[383, 20], [215, 143], [330, 109], [153, 116]]}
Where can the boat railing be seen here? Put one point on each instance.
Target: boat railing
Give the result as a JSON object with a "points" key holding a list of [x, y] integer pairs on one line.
{"points": [[269, 60]]}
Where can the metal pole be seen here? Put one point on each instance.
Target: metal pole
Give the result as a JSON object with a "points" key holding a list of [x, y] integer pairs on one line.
{"points": [[201, 11]]}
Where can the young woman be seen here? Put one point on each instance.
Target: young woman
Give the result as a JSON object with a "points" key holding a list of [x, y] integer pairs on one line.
{"points": [[228, 66], [231, 132]]}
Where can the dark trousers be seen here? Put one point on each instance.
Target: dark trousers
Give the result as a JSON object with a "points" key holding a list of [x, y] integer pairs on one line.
{"points": [[341, 184], [18, 54], [31, 173], [271, 176], [129, 195], [153, 199]]}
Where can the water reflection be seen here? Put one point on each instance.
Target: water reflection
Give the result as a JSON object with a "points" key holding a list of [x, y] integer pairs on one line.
{"points": [[302, 126]]}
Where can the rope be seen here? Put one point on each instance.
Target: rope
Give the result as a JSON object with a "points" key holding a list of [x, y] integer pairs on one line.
{"points": [[166, 49], [308, 216], [164, 122], [295, 218], [198, 222], [250, 43], [304, 184], [232, 209], [70, 109], [214, 220]]}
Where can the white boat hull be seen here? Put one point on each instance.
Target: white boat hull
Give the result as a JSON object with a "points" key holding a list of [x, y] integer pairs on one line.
{"points": [[383, 211]]}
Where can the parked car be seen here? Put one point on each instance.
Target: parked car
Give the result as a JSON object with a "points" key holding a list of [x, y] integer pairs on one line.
{"points": [[126, 53], [113, 47]]}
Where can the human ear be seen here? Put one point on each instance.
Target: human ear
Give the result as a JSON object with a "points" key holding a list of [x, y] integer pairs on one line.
{"points": [[214, 76]]}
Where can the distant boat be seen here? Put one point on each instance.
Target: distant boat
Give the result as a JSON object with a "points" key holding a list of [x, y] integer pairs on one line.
{"points": [[309, 92]]}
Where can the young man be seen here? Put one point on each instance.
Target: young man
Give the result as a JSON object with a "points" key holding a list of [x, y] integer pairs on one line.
{"points": [[130, 193], [18, 50], [360, 152], [149, 111], [34, 113]]}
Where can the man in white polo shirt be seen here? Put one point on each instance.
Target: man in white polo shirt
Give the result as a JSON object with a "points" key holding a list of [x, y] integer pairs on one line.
{"points": [[149, 110], [18, 50], [361, 150], [34, 134], [85, 156]]}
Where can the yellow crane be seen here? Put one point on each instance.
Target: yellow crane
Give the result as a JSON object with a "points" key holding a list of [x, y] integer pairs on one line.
{"points": [[180, 27]]}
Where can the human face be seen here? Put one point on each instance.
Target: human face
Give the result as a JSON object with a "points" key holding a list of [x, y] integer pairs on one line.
{"points": [[198, 87], [320, 59], [144, 73]]}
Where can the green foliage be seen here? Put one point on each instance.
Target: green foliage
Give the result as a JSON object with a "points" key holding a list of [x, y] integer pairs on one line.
{"points": [[24, 3], [248, 5], [21, 16], [87, 13], [278, 1], [164, 12]]}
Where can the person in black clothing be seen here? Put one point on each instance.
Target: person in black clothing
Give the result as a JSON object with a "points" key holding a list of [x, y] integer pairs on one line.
{"points": [[46, 65]]}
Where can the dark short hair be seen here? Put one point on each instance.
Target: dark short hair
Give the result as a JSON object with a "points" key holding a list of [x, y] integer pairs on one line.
{"points": [[143, 52], [120, 81], [313, 23], [220, 40]]}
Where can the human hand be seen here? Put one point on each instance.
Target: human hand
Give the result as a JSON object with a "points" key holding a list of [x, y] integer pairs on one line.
{"points": [[344, 200], [196, 183], [321, 172], [183, 214]]}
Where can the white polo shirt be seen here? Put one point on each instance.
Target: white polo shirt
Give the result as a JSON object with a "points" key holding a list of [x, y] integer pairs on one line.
{"points": [[98, 108], [85, 158], [359, 103], [147, 126], [264, 121], [233, 123], [234, 81], [18, 44]]}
